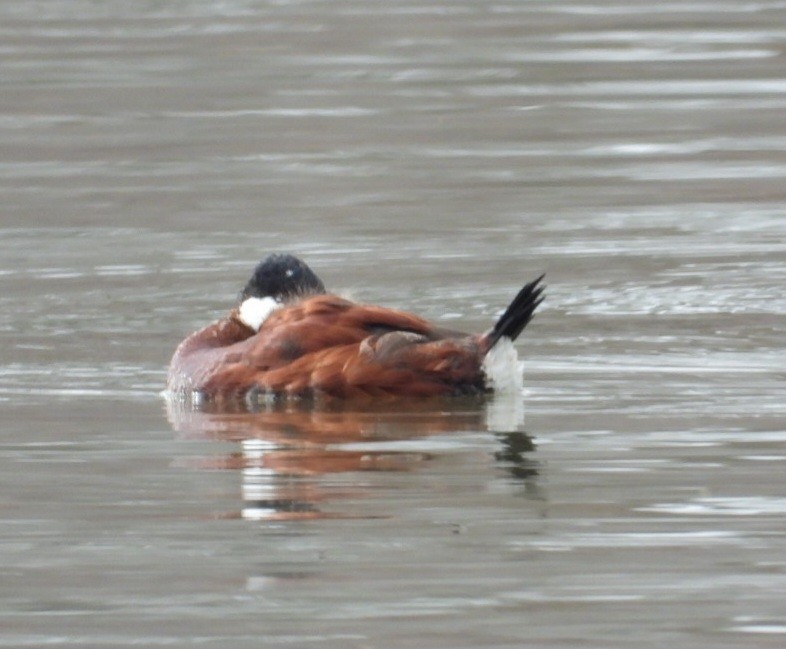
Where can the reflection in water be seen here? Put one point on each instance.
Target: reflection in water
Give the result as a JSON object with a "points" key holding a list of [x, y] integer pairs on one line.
{"points": [[515, 447], [287, 452]]}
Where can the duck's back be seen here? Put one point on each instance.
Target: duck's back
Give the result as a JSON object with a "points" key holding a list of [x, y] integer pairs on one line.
{"points": [[325, 345]]}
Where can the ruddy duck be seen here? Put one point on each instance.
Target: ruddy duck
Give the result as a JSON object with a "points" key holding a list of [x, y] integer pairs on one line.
{"points": [[288, 337]]}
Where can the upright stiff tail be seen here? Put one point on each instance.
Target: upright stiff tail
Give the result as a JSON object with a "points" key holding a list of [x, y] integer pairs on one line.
{"points": [[518, 314]]}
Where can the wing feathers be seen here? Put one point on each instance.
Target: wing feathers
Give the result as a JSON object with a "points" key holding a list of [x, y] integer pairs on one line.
{"points": [[330, 346]]}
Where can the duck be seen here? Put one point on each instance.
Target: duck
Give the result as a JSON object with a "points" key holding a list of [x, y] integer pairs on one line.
{"points": [[288, 337]]}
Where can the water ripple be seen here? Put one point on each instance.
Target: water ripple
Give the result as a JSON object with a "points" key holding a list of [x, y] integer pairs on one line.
{"points": [[717, 506]]}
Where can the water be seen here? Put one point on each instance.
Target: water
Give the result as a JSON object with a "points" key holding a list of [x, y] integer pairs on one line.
{"points": [[431, 156]]}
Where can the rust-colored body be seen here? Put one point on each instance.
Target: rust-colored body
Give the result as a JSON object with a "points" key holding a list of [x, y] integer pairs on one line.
{"points": [[326, 346]]}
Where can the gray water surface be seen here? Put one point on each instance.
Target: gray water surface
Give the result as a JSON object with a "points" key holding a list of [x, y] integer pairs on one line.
{"points": [[431, 156]]}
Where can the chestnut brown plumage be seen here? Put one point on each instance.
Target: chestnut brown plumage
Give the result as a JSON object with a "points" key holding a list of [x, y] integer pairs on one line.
{"points": [[320, 345]]}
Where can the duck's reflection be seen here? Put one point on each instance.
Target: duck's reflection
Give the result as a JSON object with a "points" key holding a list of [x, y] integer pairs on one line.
{"points": [[287, 452]]}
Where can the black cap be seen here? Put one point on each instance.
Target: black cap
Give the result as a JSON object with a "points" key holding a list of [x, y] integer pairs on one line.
{"points": [[282, 277]]}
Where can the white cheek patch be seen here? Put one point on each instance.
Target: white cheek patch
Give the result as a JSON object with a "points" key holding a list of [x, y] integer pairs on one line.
{"points": [[255, 310]]}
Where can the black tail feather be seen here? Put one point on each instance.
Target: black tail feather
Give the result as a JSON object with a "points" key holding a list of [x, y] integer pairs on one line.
{"points": [[519, 313]]}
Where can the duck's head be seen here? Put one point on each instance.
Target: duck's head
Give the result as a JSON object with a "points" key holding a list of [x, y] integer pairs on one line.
{"points": [[277, 279]]}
